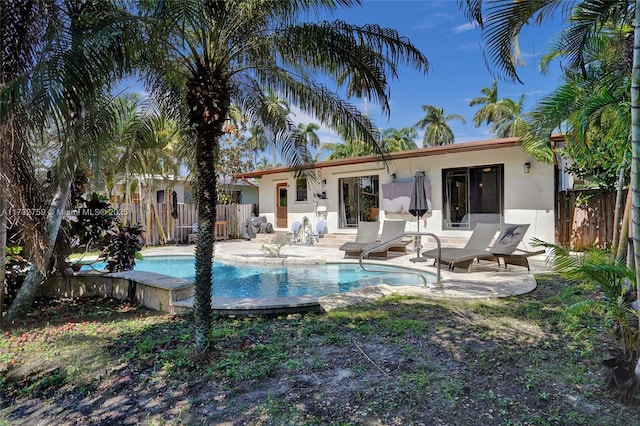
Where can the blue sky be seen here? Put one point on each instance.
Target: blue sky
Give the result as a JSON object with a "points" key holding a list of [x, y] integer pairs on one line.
{"points": [[457, 67], [457, 71]]}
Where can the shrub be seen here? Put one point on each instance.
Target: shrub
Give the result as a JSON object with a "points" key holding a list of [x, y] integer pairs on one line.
{"points": [[276, 245], [122, 246]]}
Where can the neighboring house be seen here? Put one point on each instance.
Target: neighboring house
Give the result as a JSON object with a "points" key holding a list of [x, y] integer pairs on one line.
{"points": [[487, 181], [240, 192]]}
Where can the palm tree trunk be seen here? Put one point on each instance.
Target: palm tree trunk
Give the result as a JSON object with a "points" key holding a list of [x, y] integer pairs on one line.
{"points": [[3, 251], [623, 240], [161, 234], [208, 96], [618, 208], [635, 154], [206, 153], [35, 276]]}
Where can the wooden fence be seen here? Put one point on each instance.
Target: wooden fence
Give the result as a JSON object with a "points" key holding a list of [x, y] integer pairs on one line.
{"points": [[178, 230], [584, 218]]}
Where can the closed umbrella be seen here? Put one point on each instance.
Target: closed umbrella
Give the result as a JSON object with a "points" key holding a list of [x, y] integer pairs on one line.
{"points": [[418, 206], [174, 213], [174, 204]]}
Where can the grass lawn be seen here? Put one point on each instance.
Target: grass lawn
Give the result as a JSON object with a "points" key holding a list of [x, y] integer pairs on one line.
{"points": [[401, 361]]}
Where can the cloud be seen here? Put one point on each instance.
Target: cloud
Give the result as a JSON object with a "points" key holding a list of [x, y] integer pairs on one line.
{"points": [[469, 26], [432, 20]]}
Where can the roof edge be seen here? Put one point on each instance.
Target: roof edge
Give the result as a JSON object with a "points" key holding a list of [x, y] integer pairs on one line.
{"points": [[421, 152]]}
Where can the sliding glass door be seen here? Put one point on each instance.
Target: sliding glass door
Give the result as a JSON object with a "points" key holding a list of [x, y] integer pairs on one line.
{"points": [[472, 195], [359, 200]]}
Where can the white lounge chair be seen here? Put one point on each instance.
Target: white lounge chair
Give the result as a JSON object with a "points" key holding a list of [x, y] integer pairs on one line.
{"points": [[505, 247], [479, 240], [392, 232], [367, 233]]}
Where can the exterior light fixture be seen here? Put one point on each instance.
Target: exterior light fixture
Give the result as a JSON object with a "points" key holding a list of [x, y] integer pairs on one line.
{"points": [[526, 167], [393, 177], [324, 181]]}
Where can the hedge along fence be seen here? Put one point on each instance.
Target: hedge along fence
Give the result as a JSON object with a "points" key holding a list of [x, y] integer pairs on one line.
{"points": [[178, 230]]}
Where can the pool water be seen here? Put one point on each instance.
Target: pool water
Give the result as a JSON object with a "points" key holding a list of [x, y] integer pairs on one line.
{"points": [[265, 280]]}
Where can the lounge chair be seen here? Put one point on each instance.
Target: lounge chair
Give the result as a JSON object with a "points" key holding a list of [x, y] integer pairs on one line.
{"points": [[480, 239], [367, 233], [505, 247], [295, 229], [392, 232]]}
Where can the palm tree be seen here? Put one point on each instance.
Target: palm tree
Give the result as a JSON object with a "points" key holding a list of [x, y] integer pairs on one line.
{"points": [[262, 164], [277, 110], [308, 132], [490, 112], [437, 131], [348, 149], [512, 121], [504, 115], [148, 142], [400, 139], [209, 54], [81, 49], [257, 140]]}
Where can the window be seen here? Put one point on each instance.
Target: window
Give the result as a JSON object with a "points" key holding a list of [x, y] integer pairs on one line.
{"points": [[301, 189], [359, 200], [472, 195]]}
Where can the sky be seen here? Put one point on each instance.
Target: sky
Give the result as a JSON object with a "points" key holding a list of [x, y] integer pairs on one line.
{"points": [[457, 69]]}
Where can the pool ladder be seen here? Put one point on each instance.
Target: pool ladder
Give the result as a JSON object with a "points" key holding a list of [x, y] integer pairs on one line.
{"points": [[408, 271]]}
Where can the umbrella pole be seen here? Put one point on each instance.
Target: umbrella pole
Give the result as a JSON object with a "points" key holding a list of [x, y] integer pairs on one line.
{"points": [[418, 258]]}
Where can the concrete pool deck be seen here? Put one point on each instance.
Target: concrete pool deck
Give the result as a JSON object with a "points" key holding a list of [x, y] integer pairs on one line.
{"points": [[486, 280]]}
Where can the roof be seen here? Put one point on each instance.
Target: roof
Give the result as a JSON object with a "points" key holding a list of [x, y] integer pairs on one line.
{"points": [[422, 152]]}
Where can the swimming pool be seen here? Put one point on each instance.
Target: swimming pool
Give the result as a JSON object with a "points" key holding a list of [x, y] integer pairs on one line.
{"points": [[266, 280]]}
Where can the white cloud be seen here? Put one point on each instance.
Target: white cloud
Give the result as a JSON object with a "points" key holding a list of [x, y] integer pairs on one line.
{"points": [[469, 26]]}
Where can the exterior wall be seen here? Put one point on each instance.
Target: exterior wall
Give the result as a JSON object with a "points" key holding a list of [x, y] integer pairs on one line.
{"points": [[249, 195], [528, 197], [154, 291]]}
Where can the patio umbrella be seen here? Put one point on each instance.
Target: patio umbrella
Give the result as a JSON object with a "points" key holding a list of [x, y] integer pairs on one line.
{"points": [[174, 204], [418, 206]]}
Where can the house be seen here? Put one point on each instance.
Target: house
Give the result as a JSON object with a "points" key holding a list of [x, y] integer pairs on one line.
{"points": [[240, 192], [491, 181]]}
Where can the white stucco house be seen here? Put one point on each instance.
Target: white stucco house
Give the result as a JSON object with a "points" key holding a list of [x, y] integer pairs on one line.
{"points": [[491, 181]]}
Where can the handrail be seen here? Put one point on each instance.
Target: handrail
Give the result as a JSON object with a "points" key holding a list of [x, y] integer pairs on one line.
{"points": [[407, 234]]}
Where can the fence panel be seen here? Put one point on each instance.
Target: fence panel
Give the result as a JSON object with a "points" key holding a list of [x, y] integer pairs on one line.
{"points": [[178, 230], [584, 219]]}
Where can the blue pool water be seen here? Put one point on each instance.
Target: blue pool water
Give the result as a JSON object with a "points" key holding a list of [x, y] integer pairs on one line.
{"points": [[266, 280]]}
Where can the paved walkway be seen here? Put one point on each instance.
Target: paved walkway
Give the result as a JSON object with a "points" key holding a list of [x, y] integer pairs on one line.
{"points": [[486, 280]]}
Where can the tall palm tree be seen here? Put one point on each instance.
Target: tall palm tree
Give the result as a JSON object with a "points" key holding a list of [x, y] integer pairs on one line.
{"points": [[308, 132], [81, 48], [504, 115], [400, 139], [257, 140], [437, 131], [490, 111], [512, 121], [277, 110], [211, 54]]}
